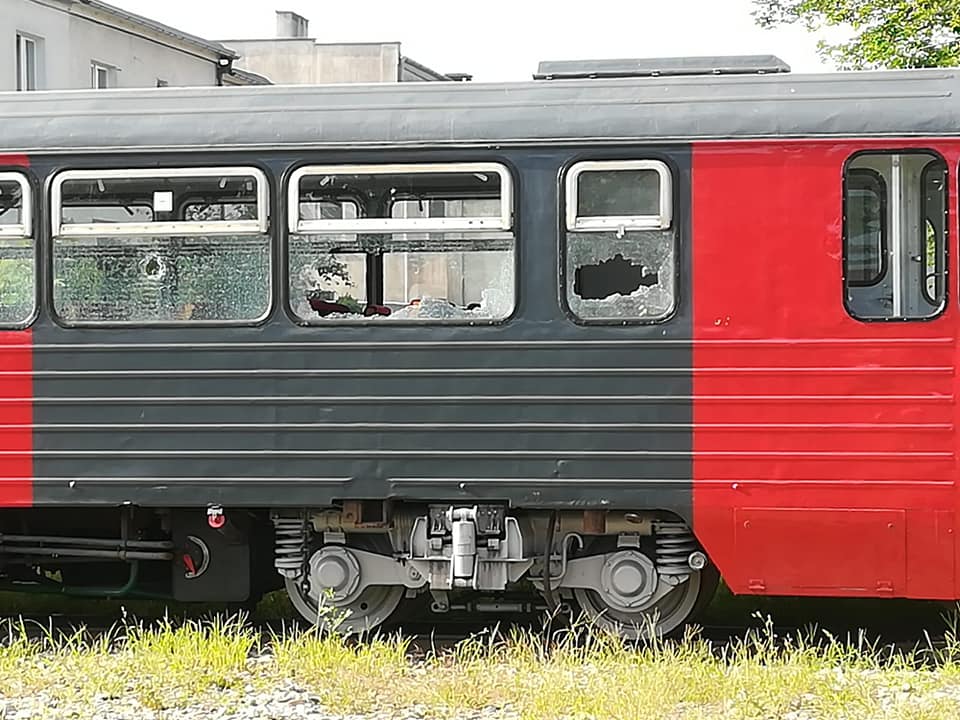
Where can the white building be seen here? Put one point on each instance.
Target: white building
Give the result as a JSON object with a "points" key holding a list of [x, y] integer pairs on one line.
{"points": [[293, 57], [72, 44]]}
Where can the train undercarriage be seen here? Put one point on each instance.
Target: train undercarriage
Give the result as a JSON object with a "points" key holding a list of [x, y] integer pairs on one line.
{"points": [[367, 564]]}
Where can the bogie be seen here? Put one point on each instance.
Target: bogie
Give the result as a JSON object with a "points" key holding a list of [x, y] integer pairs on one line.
{"points": [[647, 577]]}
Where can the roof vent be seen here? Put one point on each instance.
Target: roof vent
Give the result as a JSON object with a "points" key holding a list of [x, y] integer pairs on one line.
{"points": [[656, 67]]}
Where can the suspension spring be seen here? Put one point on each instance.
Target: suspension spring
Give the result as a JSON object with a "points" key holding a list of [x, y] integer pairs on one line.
{"points": [[675, 544], [292, 536]]}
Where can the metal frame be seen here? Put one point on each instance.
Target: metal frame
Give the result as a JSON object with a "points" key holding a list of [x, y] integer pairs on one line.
{"points": [[23, 229], [661, 221], [392, 225], [216, 227]]}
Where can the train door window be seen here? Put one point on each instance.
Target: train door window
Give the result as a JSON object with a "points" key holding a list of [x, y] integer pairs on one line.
{"points": [[415, 243], [17, 252], [895, 236], [161, 246], [620, 241]]}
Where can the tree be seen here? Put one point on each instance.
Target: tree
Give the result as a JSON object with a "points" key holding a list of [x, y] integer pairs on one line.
{"points": [[885, 33]]}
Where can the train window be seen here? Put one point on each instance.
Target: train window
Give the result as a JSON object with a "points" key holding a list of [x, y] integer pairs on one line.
{"points": [[17, 269], [620, 244], [866, 257], [415, 243], [895, 236], [161, 246]]}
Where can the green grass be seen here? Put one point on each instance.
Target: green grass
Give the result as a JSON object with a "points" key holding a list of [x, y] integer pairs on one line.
{"points": [[573, 674], [174, 657]]}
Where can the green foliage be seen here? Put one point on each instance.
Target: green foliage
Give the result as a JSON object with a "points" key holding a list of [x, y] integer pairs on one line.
{"points": [[886, 33]]}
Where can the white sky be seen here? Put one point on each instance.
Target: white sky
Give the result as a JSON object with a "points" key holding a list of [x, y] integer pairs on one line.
{"points": [[504, 39]]}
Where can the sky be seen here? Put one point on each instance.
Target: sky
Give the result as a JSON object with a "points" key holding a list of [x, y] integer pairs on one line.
{"points": [[503, 40]]}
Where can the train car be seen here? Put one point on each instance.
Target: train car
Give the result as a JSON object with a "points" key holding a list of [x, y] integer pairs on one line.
{"points": [[598, 338]]}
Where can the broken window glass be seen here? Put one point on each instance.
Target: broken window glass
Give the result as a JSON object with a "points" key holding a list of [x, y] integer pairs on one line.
{"points": [[17, 269], [425, 276], [17, 278], [621, 276], [161, 279], [456, 271]]}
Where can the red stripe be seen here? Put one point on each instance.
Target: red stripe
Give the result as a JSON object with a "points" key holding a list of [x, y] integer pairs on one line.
{"points": [[16, 418]]}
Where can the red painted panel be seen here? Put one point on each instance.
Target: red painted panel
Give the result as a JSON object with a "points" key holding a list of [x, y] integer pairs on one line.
{"points": [[16, 404], [16, 418], [824, 560], [799, 408]]}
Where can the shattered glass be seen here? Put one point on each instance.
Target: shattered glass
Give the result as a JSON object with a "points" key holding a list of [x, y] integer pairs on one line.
{"points": [[161, 279], [17, 278], [426, 276], [621, 278]]}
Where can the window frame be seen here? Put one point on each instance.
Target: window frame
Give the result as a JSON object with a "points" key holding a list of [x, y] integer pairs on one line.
{"points": [[568, 192], [935, 155], [503, 223], [662, 221], [884, 226], [23, 229], [941, 259], [260, 226], [23, 75], [95, 69]]}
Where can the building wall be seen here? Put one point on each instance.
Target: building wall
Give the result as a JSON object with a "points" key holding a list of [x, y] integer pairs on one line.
{"points": [[68, 45], [304, 61]]}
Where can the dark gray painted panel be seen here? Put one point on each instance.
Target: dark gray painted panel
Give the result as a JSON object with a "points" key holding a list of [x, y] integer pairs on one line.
{"points": [[538, 411]]}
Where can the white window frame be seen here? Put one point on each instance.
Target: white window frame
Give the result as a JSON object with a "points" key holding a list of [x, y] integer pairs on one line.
{"points": [[95, 69], [504, 222], [23, 229], [662, 221], [23, 76], [179, 227]]}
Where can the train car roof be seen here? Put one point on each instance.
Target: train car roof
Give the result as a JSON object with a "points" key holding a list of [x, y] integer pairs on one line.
{"points": [[889, 103]]}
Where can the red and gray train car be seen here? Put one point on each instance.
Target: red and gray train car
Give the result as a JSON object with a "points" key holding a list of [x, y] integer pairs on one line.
{"points": [[596, 339]]}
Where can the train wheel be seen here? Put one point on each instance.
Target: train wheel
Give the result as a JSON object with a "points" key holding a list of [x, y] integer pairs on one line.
{"points": [[631, 599], [661, 618], [367, 611], [330, 596]]}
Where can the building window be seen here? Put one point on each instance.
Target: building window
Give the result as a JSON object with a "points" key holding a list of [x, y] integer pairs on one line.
{"points": [[895, 235], [101, 76], [161, 246], [17, 270], [416, 243], [28, 61], [620, 243]]}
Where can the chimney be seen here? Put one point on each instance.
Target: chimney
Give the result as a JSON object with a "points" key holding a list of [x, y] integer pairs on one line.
{"points": [[291, 25]]}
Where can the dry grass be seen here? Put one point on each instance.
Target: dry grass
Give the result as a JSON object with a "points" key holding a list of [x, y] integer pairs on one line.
{"points": [[577, 674]]}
